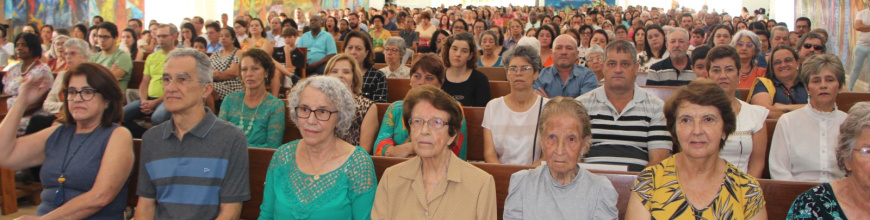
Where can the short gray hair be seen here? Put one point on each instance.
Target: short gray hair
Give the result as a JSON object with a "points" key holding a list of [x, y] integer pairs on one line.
{"points": [[398, 42], [779, 28], [679, 29], [79, 44], [621, 46], [203, 65], [339, 96], [55, 39], [490, 33], [593, 49], [526, 52], [815, 63], [172, 29], [855, 123], [756, 42]]}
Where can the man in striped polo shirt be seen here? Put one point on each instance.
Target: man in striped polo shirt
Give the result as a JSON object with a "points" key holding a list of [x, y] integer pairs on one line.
{"points": [[194, 166], [628, 125]]}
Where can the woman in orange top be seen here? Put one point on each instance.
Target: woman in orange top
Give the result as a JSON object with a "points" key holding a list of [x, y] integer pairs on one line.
{"points": [[545, 35], [257, 37], [748, 47]]}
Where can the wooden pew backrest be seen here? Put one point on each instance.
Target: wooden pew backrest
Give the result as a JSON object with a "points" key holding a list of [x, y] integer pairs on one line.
{"points": [[494, 73], [138, 72], [258, 163]]}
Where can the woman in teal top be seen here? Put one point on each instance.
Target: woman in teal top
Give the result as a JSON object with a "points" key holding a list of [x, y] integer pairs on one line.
{"points": [[259, 114], [427, 70], [320, 176]]}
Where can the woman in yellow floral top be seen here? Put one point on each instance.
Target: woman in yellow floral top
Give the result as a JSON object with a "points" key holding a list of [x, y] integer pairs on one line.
{"points": [[257, 37], [696, 183]]}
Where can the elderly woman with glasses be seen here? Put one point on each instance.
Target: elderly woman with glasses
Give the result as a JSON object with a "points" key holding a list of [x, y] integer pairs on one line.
{"points": [[445, 186], [320, 176], [393, 139], [804, 142], [845, 198], [86, 161], [394, 50], [56, 60], [513, 141], [748, 47], [595, 62], [566, 133], [75, 52]]}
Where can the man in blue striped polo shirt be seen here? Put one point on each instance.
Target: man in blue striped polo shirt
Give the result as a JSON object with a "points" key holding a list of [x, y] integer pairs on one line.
{"points": [[194, 166], [628, 124]]}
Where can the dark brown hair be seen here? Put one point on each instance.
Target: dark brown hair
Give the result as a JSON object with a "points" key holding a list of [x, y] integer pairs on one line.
{"points": [[102, 80], [263, 59], [368, 61], [723, 52], [472, 49], [703, 92], [430, 63], [440, 100]]}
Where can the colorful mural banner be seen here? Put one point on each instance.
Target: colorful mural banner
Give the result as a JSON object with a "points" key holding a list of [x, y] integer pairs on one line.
{"points": [[577, 3], [261, 8], [67, 13]]}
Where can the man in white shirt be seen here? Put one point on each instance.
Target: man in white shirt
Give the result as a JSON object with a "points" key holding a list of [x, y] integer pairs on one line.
{"points": [[533, 21], [862, 47]]}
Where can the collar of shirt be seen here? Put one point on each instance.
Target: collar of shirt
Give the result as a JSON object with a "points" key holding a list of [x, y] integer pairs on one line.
{"points": [[201, 130], [820, 114], [576, 71], [453, 169]]}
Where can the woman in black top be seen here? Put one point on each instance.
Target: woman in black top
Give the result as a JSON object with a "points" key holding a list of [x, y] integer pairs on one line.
{"points": [[467, 85]]}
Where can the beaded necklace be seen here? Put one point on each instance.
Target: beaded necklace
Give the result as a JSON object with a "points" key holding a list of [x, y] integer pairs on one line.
{"points": [[250, 126]]}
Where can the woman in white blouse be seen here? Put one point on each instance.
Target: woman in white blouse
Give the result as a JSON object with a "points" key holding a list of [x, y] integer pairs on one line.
{"points": [[804, 143], [394, 50], [509, 122], [745, 148]]}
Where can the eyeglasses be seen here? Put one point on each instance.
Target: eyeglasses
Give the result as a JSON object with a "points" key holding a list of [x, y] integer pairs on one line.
{"points": [[319, 114], [391, 50], [802, 26], [181, 80], [435, 123], [70, 53], [86, 94], [742, 44], [815, 47], [519, 70], [786, 60], [104, 37]]}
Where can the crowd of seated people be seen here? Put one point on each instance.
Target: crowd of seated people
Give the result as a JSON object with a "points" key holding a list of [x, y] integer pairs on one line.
{"points": [[580, 97]]}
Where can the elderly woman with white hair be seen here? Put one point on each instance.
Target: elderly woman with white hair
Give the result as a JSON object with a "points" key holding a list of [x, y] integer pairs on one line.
{"points": [[56, 61], [804, 142], [748, 47], [338, 178], [566, 133], [75, 52], [595, 62], [513, 141], [394, 51], [845, 198]]}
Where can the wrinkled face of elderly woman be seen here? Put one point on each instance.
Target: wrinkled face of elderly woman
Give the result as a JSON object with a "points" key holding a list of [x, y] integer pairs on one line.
{"points": [[859, 164], [73, 56], [699, 129], [316, 122], [563, 142], [429, 130]]}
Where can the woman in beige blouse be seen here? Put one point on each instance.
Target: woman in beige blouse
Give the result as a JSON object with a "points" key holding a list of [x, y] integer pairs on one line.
{"points": [[436, 184]]}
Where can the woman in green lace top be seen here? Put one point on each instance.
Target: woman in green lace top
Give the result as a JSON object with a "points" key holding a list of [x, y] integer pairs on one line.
{"points": [[320, 176], [259, 114]]}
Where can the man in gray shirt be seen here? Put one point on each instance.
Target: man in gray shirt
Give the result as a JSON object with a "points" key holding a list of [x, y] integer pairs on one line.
{"points": [[194, 166]]}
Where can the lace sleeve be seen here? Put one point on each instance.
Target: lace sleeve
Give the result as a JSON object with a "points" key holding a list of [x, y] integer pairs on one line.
{"points": [[361, 173]]}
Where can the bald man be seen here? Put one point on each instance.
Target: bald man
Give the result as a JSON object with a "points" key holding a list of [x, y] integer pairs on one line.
{"points": [[565, 77]]}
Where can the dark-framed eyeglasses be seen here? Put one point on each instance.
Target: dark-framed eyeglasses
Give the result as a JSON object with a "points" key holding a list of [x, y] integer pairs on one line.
{"points": [[87, 94], [319, 114]]}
